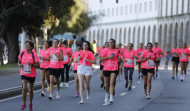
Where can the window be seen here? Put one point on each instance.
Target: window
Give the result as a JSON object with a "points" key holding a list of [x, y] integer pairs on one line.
{"points": [[112, 11], [116, 11], [117, 1], [145, 7], [150, 6], [121, 10], [100, 1], [177, 7], [131, 8], [126, 10], [108, 12], [140, 8], [182, 6], [135, 8], [156, 4], [171, 7]]}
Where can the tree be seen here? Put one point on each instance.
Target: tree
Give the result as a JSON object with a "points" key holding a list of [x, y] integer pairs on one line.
{"points": [[28, 15]]}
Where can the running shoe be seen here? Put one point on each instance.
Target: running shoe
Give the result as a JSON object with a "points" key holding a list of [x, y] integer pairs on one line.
{"points": [[106, 100], [129, 89], [111, 99], [126, 84], [139, 77], [173, 77], [67, 85], [48, 89], [88, 97], [50, 98], [156, 75], [42, 94], [77, 95], [30, 107], [58, 95], [62, 84], [148, 96], [102, 85], [23, 107], [81, 101]]}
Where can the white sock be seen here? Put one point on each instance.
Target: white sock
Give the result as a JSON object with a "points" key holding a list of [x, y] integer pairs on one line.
{"points": [[107, 94], [111, 95]]}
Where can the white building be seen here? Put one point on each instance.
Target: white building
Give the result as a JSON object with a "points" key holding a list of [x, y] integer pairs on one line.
{"points": [[135, 21]]}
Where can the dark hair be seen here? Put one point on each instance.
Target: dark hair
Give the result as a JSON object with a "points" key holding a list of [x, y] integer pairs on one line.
{"points": [[89, 47], [155, 43], [65, 42], [74, 36], [150, 43], [106, 43], [50, 43], [120, 44], [56, 39], [131, 44], [114, 42], [79, 45], [31, 43], [47, 42]]}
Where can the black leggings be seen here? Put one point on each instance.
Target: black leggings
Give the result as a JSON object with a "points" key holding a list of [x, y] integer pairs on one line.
{"points": [[67, 67], [131, 70]]}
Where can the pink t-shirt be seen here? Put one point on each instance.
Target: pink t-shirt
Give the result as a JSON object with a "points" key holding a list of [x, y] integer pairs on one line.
{"points": [[75, 56], [157, 50], [101, 49], [183, 57], [54, 61], [88, 55], [149, 64], [111, 64], [128, 55], [175, 50], [65, 56], [27, 70], [44, 54], [139, 52], [121, 51]]}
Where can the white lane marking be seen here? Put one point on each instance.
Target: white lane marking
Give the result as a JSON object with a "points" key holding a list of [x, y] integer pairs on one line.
{"points": [[122, 94], [21, 95], [139, 82], [133, 87], [105, 104]]}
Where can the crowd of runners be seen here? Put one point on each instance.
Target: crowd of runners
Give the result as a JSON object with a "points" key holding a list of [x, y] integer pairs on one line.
{"points": [[56, 57]]}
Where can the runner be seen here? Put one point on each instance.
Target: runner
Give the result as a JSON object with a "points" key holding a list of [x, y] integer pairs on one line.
{"points": [[148, 66], [175, 61], [101, 49], [28, 62], [110, 70], [128, 60], [44, 66], [84, 70], [121, 51], [67, 52], [158, 51], [167, 55], [74, 58], [139, 52], [56, 57], [183, 53]]}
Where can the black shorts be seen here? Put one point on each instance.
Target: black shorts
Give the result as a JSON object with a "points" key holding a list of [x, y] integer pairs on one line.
{"points": [[101, 67], [108, 73], [146, 71], [74, 71], [175, 59], [157, 61], [46, 69], [55, 72], [30, 79]]}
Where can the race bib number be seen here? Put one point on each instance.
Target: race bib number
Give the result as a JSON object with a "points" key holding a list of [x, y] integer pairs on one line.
{"points": [[40, 58], [150, 63], [54, 58], [26, 69], [76, 62], [184, 56], [129, 62], [66, 58]]}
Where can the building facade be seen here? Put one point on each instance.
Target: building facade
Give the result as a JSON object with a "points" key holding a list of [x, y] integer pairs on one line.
{"points": [[135, 21]]}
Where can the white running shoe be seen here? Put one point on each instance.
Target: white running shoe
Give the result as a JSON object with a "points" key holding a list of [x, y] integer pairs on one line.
{"points": [[62, 84], [66, 85], [88, 97], [81, 101], [58, 95], [106, 100], [111, 99]]}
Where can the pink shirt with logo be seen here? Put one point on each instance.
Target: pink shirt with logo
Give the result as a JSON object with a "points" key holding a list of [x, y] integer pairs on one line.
{"points": [[175, 50], [55, 63], [44, 54], [75, 56], [157, 50], [148, 64], [139, 52], [88, 55], [128, 56], [101, 50], [121, 51], [65, 56], [183, 57], [111, 64], [27, 70]]}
